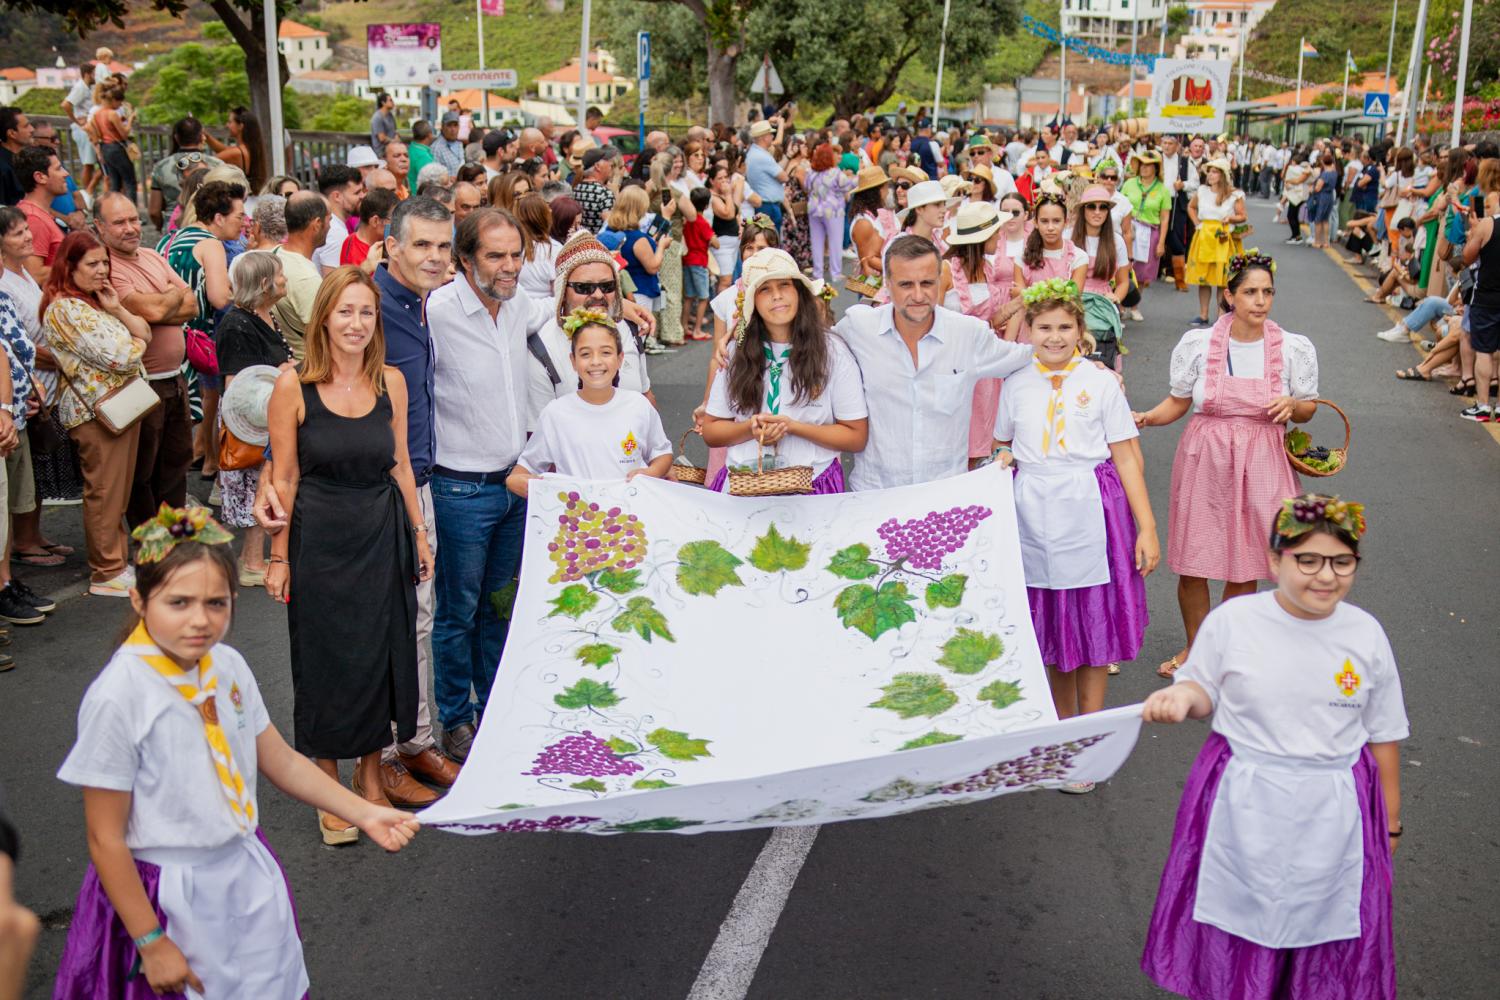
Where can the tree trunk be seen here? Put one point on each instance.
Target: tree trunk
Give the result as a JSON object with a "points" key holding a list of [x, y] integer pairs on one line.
{"points": [[722, 64], [251, 38]]}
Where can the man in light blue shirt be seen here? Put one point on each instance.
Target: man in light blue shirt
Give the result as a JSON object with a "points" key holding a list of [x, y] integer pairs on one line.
{"points": [[762, 172]]}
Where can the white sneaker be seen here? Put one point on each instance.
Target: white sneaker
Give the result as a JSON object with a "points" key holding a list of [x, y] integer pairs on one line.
{"points": [[1135, 315], [1076, 787], [214, 498], [118, 587], [850, 254], [1395, 335]]}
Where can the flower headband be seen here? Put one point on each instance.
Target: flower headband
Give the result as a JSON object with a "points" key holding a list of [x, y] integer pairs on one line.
{"points": [[760, 220], [580, 318], [1251, 258], [1050, 198], [1052, 288], [1299, 515], [172, 525]]}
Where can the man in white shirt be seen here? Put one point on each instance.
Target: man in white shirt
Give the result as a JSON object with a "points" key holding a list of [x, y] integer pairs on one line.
{"points": [[479, 324], [920, 363], [1018, 150], [342, 187], [78, 105], [587, 278], [1180, 174]]}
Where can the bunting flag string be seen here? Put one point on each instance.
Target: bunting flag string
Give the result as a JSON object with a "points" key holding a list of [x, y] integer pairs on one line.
{"points": [[1044, 30]]}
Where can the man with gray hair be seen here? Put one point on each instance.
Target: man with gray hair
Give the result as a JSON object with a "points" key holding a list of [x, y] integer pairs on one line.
{"points": [[269, 218], [433, 173]]}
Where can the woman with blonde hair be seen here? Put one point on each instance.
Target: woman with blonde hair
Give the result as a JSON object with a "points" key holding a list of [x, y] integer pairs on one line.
{"points": [[506, 188], [338, 431]]}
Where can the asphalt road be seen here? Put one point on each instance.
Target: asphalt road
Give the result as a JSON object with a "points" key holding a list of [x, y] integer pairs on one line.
{"points": [[1032, 896]]}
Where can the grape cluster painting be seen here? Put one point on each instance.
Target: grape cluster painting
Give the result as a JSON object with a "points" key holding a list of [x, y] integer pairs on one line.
{"points": [[682, 661]]}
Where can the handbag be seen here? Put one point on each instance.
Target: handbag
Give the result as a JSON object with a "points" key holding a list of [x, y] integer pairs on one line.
{"points": [[236, 454], [202, 353], [123, 405]]}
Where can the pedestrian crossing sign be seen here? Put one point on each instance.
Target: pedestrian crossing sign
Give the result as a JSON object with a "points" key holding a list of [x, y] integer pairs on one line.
{"points": [[1377, 105]]}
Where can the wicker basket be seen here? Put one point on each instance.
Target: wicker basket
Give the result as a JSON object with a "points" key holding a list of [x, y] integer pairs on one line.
{"points": [[864, 285], [1341, 452], [792, 480], [683, 471]]}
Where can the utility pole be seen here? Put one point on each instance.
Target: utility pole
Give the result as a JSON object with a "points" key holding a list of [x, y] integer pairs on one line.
{"points": [[1463, 69], [937, 97], [273, 80], [1413, 70], [583, 67]]}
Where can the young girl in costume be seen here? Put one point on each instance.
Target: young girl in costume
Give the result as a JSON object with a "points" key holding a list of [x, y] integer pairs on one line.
{"points": [[600, 432], [791, 384], [1065, 423], [1278, 883], [183, 894], [1048, 254], [1107, 280]]}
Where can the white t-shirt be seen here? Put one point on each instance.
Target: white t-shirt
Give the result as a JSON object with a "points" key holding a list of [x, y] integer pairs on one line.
{"points": [[81, 96], [596, 441], [1119, 209], [1189, 365], [1209, 206], [1097, 415], [722, 305], [327, 255], [1091, 248], [137, 734], [538, 272], [633, 376], [843, 398], [1318, 690], [27, 296]]}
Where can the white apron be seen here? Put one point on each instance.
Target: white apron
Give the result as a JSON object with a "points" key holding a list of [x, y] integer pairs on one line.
{"points": [[1062, 525], [228, 910], [1283, 857]]}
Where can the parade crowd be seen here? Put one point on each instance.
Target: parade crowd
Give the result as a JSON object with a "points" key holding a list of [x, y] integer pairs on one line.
{"points": [[374, 369]]}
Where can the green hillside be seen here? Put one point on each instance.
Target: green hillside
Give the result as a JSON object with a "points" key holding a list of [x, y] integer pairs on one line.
{"points": [[528, 39]]}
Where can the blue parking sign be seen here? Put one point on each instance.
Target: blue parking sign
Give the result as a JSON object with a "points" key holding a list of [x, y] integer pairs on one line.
{"points": [[643, 55]]}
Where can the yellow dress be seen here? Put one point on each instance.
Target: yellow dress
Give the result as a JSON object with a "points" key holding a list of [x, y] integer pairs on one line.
{"points": [[1213, 244]]}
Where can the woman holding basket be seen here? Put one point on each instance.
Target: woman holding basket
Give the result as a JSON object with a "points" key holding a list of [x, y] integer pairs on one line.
{"points": [[1243, 379]]}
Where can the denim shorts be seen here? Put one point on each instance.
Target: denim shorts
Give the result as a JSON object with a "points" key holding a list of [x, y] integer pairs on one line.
{"points": [[695, 281]]}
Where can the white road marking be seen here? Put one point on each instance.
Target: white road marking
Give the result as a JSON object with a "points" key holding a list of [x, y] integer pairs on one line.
{"points": [[731, 963]]}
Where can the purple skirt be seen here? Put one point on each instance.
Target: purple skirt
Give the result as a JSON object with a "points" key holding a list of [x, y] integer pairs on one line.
{"points": [[1203, 962], [99, 953], [1145, 270], [830, 480], [1092, 626]]}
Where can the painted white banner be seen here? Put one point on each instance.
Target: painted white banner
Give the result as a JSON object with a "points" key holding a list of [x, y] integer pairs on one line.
{"points": [[1188, 95], [680, 660]]}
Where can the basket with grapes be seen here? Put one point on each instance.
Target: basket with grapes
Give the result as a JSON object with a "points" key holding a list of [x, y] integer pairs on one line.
{"points": [[1315, 460], [867, 285]]}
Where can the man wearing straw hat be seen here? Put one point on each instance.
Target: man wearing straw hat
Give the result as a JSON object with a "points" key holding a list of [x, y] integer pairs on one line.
{"points": [[762, 173]]}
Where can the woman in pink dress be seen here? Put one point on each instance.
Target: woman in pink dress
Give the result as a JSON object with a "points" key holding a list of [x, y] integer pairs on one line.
{"points": [[1243, 379], [984, 244]]}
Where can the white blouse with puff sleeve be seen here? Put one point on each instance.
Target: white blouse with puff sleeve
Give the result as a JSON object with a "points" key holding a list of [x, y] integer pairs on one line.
{"points": [[1299, 365]]}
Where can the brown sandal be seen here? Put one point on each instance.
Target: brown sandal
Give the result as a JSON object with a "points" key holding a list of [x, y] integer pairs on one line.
{"points": [[1168, 667]]}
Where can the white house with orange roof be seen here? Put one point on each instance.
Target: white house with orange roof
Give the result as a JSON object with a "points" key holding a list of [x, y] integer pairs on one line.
{"points": [[1217, 28], [502, 110], [603, 87], [1107, 22], [304, 47], [15, 81]]}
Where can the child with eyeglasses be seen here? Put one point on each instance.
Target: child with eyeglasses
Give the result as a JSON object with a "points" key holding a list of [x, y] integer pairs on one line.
{"points": [[1278, 882]]}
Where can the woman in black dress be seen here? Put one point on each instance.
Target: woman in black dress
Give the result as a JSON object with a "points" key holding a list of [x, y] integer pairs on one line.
{"points": [[348, 567]]}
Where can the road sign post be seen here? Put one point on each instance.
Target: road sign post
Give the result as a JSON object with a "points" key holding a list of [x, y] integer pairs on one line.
{"points": [[642, 86], [1377, 105]]}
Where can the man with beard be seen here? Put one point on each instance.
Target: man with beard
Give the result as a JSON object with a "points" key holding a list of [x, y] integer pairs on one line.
{"points": [[1180, 172], [920, 363], [587, 278], [479, 327]]}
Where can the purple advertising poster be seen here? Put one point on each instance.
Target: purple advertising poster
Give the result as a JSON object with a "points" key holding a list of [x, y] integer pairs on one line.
{"points": [[403, 54]]}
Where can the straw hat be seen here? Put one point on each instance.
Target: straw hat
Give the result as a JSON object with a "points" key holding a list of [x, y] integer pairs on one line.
{"points": [[1080, 148], [981, 141], [975, 222], [925, 193], [243, 405], [1146, 156], [1220, 164], [770, 264], [912, 174], [870, 177], [955, 187], [760, 128], [983, 170]]}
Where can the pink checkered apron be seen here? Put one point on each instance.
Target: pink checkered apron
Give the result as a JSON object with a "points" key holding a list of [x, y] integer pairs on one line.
{"points": [[1231, 471], [999, 277]]}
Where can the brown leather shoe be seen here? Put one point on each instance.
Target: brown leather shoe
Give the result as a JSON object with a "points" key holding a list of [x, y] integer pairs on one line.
{"points": [[431, 767], [402, 789]]}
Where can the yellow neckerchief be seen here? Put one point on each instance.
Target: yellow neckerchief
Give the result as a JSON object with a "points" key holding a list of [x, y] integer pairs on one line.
{"points": [[201, 697], [1056, 411]]}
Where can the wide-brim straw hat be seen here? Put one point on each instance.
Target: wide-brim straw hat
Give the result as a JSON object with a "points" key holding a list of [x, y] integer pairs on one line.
{"points": [[913, 174], [975, 222], [770, 264], [870, 177], [1220, 164], [244, 404], [760, 128], [955, 187], [925, 193], [1146, 156], [983, 170]]}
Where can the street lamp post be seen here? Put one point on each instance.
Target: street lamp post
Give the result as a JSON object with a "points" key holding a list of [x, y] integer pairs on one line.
{"points": [[1463, 70]]}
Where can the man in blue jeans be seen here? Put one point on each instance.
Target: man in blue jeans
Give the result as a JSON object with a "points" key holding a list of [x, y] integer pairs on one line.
{"points": [[480, 369], [763, 174]]}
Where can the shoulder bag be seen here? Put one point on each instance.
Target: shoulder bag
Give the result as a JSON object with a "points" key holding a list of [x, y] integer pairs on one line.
{"points": [[123, 405]]}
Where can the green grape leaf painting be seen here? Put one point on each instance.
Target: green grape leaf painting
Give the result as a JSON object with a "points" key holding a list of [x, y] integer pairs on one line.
{"points": [[590, 785], [774, 553], [647, 784], [853, 563], [931, 739], [707, 567], [947, 592], [596, 654], [620, 581], [911, 695], [969, 652], [1001, 694], [620, 746], [641, 617], [677, 745], [588, 694], [875, 612], [575, 601]]}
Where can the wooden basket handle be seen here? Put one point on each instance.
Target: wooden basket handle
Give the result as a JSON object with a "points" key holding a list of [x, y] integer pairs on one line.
{"points": [[1348, 429]]}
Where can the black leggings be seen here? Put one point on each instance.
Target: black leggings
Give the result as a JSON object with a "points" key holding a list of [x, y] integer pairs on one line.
{"points": [[119, 169], [1294, 219]]}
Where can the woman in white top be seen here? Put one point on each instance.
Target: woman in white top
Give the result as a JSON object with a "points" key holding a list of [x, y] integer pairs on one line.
{"points": [[791, 384], [1108, 278], [1278, 883], [1243, 380], [538, 266], [1296, 186], [1215, 210]]}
